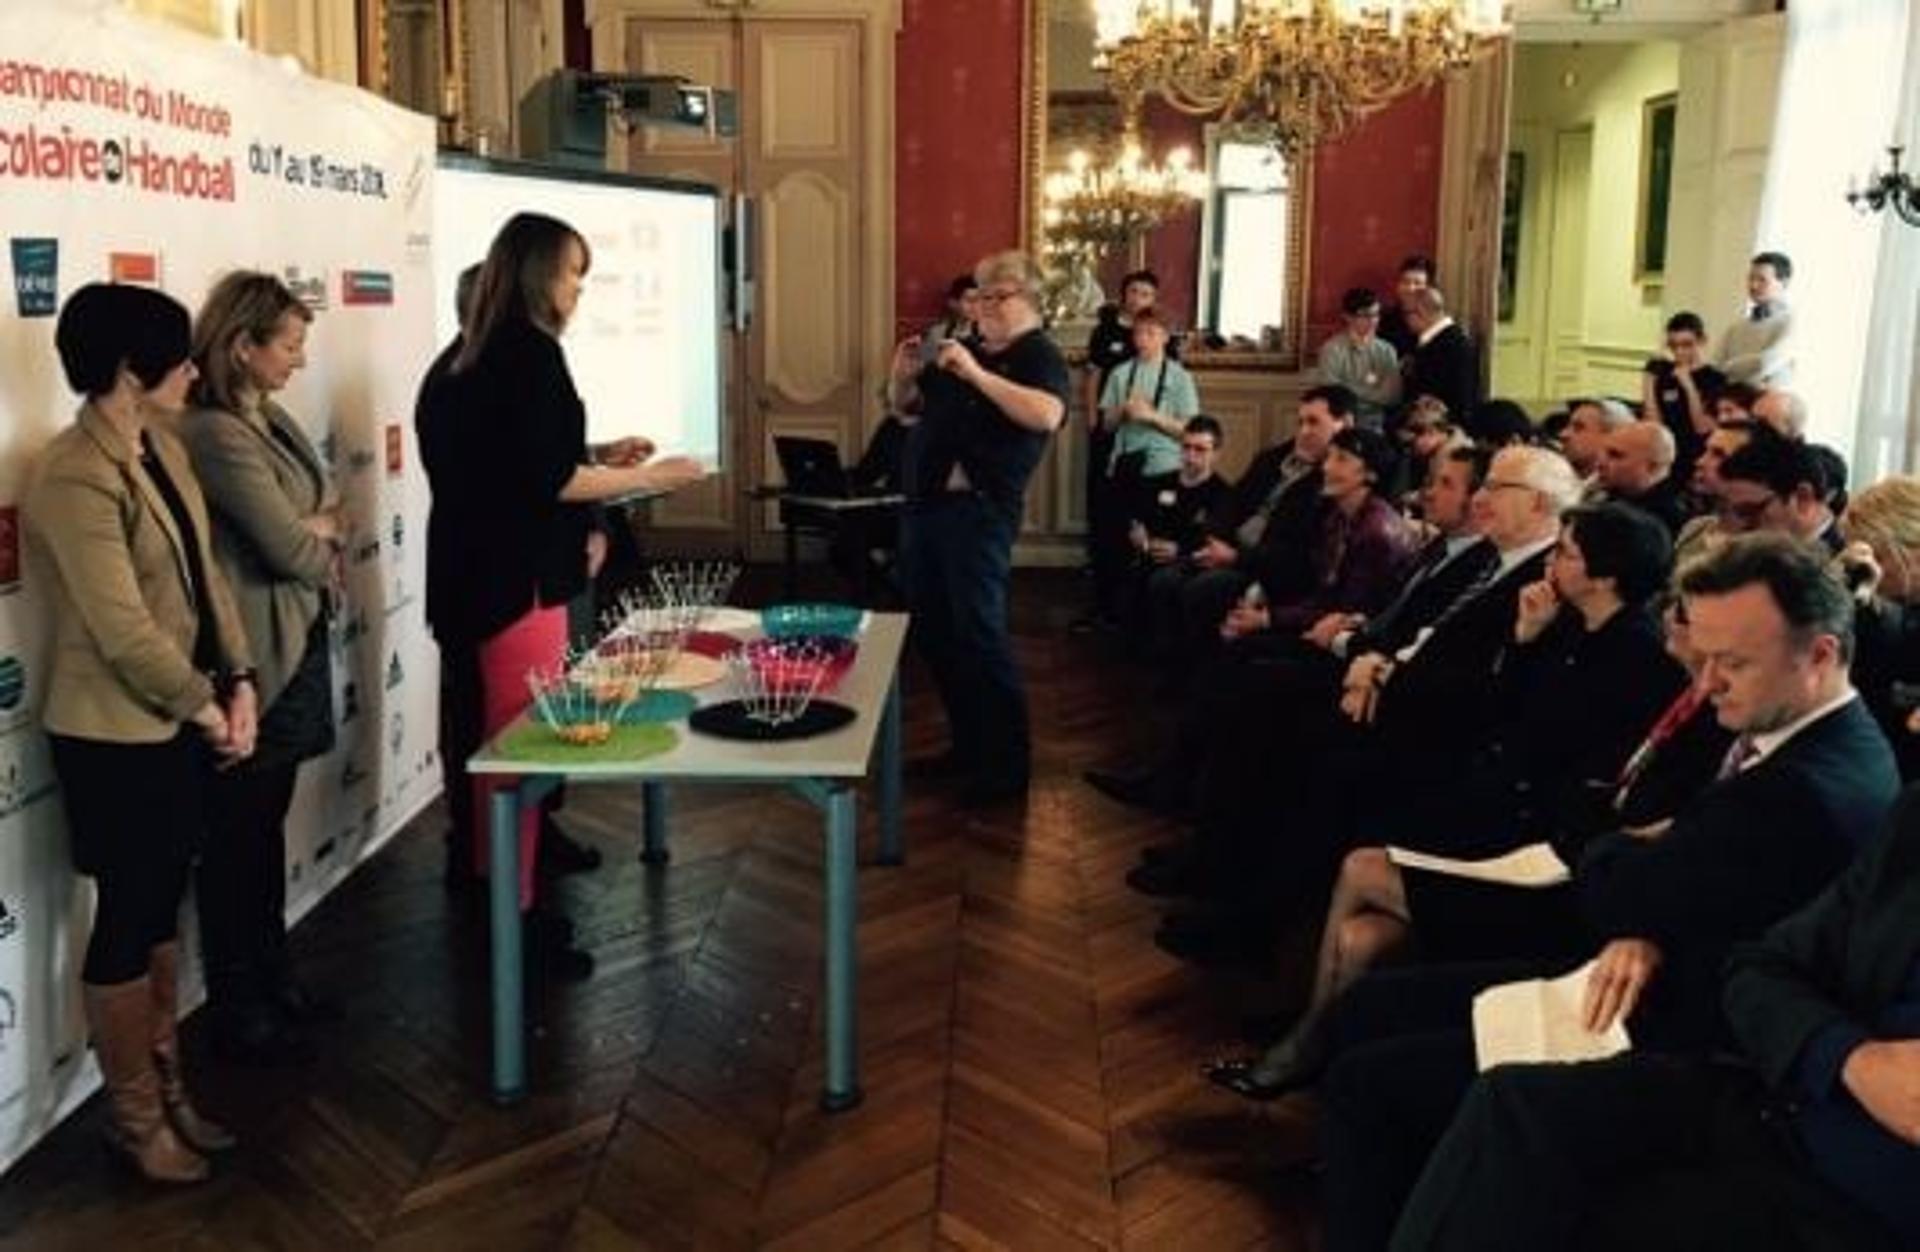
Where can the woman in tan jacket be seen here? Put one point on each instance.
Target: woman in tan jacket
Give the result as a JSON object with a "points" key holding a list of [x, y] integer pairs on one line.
{"points": [[277, 537], [150, 686]]}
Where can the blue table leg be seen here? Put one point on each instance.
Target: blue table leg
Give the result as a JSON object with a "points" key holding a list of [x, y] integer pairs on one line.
{"points": [[503, 890], [842, 1090], [892, 850], [653, 804]]}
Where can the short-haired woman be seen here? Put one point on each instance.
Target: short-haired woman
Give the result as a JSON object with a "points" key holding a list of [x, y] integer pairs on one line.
{"points": [[277, 537], [151, 682], [503, 436]]}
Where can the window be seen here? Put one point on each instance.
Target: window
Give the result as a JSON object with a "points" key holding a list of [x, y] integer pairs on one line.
{"points": [[1243, 282]]}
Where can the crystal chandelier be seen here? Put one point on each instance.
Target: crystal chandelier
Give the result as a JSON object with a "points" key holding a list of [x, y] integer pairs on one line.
{"points": [[1096, 207], [1296, 72]]}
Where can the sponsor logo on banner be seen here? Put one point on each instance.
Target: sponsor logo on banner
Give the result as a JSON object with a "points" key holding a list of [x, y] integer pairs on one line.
{"points": [[349, 703], [396, 733], [352, 775], [359, 461], [366, 287], [366, 550], [398, 530], [36, 276], [396, 450], [9, 549], [395, 674], [16, 792], [134, 267], [309, 289], [13, 688]]}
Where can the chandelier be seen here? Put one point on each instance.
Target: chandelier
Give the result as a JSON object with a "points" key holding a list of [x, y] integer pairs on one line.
{"points": [[1097, 207], [1894, 189], [1295, 72]]}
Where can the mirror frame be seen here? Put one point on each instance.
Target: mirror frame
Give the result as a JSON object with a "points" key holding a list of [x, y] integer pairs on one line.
{"points": [[1293, 349]]}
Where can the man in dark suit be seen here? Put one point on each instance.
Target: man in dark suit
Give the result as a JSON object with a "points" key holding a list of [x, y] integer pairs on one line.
{"points": [[1430, 695], [1811, 1148], [1445, 363], [1782, 485], [1807, 783]]}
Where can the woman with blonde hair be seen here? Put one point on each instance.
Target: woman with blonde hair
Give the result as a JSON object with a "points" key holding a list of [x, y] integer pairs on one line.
{"points": [[503, 435], [1881, 563], [151, 684], [277, 535]]}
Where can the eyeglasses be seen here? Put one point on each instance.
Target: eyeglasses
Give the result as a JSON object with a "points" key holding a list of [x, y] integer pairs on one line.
{"points": [[1002, 296]]}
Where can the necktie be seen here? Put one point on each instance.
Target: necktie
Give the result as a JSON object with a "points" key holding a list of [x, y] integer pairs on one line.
{"points": [[1739, 755], [1485, 578]]}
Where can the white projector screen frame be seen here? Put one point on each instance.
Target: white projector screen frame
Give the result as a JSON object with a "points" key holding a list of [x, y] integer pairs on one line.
{"points": [[646, 344]]}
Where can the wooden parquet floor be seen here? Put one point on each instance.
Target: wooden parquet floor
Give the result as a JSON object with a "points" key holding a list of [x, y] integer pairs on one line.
{"points": [[1029, 1056]]}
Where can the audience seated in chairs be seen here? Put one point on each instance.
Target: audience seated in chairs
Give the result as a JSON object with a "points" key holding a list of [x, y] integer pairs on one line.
{"points": [[1167, 519], [1589, 424], [1636, 468], [1807, 1144], [1806, 785], [1260, 534], [1779, 484], [1881, 563]]}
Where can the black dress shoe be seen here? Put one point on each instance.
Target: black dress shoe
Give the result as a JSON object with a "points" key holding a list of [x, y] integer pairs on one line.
{"points": [[1241, 1077], [1164, 879], [560, 853], [255, 1034], [1140, 791], [993, 793]]}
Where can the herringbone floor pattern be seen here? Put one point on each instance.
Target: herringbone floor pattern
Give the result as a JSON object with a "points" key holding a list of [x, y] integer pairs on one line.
{"points": [[1029, 1056]]}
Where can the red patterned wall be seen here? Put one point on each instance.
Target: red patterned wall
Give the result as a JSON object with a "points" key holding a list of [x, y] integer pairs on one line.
{"points": [[957, 144], [957, 194], [1376, 199]]}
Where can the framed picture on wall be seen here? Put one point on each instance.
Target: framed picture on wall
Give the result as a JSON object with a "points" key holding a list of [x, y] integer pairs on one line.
{"points": [[1657, 117]]}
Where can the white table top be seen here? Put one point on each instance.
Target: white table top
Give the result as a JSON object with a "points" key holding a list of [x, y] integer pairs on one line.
{"points": [[843, 753]]}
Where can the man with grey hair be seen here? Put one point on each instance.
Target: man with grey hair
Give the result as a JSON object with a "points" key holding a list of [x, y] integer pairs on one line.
{"points": [[986, 410], [1589, 422], [1636, 468], [1785, 411], [1444, 363]]}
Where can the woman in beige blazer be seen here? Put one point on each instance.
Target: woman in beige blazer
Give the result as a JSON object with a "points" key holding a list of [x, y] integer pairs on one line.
{"points": [[150, 686], [277, 537]]}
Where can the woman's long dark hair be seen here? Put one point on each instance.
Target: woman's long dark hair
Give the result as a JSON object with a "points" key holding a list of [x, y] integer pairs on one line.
{"points": [[516, 281]]}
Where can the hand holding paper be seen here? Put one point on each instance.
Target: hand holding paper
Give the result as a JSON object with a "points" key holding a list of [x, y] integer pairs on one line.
{"points": [[1540, 1021]]}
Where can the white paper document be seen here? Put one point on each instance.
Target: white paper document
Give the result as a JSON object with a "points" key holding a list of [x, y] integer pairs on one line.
{"points": [[1536, 865], [1540, 1021]]}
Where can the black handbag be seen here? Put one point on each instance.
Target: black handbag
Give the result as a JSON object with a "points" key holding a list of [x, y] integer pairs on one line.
{"points": [[299, 724]]}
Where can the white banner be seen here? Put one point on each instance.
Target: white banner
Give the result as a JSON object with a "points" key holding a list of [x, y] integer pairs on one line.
{"points": [[136, 152]]}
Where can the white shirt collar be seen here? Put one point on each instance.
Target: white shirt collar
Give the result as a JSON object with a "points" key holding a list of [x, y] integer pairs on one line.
{"points": [[1519, 556], [1426, 336], [1765, 745]]}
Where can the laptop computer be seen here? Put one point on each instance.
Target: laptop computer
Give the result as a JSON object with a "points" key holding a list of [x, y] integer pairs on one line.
{"points": [[812, 467]]}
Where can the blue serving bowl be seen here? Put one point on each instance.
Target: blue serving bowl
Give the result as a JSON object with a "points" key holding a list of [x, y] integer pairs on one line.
{"points": [[789, 621]]}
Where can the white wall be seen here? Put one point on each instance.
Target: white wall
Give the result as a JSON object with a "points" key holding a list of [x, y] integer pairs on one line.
{"points": [[1560, 90]]}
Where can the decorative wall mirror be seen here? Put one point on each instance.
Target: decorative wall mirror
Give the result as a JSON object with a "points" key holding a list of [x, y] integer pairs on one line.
{"points": [[1232, 260]]}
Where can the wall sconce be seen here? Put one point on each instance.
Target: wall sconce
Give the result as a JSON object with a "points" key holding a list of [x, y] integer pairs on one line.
{"points": [[1895, 189]]}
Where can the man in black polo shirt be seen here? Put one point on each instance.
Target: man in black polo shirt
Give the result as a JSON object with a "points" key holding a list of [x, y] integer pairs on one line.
{"points": [[985, 413]]}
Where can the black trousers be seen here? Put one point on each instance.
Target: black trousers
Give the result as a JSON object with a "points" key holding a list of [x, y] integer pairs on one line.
{"points": [[1403, 1044], [241, 883], [1641, 1151], [134, 819], [956, 553]]}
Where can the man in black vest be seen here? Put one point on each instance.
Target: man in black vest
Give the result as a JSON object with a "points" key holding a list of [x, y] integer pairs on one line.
{"points": [[1444, 363]]}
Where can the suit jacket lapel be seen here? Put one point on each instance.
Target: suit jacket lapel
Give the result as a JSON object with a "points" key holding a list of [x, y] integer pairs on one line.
{"points": [[102, 433]]}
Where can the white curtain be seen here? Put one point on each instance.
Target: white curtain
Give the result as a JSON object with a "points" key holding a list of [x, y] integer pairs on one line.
{"points": [[1888, 434], [1839, 95]]}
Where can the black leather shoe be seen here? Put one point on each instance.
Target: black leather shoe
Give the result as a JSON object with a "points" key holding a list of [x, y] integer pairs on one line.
{"points": [[256, 1034], [1164, 879], [1139, 791], [560, 853], [1238, 1076]]}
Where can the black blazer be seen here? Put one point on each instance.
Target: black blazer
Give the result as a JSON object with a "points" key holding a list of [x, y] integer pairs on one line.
{"points": [[1665, 502], [499, 441], [1839, 962], [1444, 696], [1419, 602], [1748, 851], [1886, 651], [1250, 490], [1446, 367]]}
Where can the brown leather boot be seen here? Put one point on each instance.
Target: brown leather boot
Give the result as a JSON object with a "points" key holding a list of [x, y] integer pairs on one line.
{"points": [[200, 1133], [121, 1016]]}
